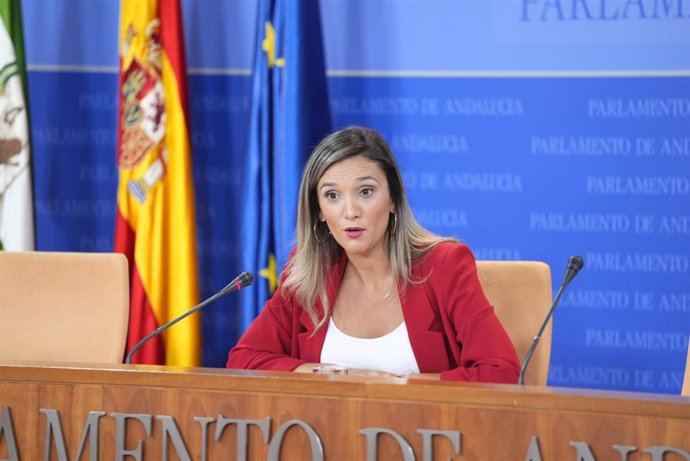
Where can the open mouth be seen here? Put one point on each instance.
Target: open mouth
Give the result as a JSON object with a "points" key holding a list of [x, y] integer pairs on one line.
{"points": [[354, 231]]}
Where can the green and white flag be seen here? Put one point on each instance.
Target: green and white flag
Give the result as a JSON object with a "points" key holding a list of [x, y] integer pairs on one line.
{"points": [[16, 202]]}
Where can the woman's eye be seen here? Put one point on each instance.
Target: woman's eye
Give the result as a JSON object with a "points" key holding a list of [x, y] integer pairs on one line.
{"points": [[331, 195], [367, 191]]}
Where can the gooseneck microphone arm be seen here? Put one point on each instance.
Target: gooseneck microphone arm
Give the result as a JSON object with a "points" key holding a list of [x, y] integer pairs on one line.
{"points": [[243, 280], [575, 263]]}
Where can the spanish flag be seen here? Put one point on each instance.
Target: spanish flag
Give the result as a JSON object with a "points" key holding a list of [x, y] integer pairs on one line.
{"points": [[155, 223]]}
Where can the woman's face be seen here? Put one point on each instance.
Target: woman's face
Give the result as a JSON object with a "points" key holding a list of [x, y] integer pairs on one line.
{"points": [[355, 203]]}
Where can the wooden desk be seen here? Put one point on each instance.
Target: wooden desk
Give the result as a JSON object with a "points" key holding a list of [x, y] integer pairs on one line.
{"points": [[135, 408]]}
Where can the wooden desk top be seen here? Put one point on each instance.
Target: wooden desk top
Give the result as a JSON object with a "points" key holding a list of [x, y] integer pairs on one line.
{"points": [[338, 408]]}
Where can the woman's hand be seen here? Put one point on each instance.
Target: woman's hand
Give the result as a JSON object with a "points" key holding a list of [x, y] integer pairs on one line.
{"points": [[424, 376], [366, 372], [308, 367], [329, 368]]}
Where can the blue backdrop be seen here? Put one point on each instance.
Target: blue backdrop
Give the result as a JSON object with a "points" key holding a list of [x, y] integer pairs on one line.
{"points": [[529, 129]]}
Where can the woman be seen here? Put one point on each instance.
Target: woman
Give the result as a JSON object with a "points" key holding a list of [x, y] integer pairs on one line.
{"points": [[368, 288]]}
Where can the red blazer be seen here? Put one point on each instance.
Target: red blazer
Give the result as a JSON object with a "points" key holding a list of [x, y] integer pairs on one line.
{"points": [[451, 325]]}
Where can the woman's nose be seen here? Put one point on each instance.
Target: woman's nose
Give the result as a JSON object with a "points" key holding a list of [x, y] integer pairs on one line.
{"points": [[351, 209]]}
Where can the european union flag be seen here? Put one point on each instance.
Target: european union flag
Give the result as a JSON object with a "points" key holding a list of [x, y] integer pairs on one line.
{"points": [[289, 116]]}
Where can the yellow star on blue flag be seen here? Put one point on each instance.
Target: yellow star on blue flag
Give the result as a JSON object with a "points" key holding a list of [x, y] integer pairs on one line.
{"points": [[270, 273], [269, 46]]}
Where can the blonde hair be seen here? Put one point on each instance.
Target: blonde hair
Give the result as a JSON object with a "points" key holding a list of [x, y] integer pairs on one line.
{"points": [[317, 251]]}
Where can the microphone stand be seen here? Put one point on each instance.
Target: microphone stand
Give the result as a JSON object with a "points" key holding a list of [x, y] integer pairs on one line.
{"points": [[243, 280], [575, 263]]}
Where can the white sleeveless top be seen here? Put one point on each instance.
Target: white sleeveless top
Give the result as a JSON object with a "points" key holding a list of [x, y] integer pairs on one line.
{"points": [[391, 352]]}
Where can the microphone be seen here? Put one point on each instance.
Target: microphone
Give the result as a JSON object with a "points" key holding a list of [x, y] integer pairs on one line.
{"points": [[243, 280], [575, 263]]}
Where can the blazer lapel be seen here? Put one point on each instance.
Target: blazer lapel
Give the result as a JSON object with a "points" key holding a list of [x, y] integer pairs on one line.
{"points": [[425, 328]]}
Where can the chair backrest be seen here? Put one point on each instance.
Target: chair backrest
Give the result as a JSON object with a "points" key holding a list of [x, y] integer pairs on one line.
{"points": [[68, 307], [520, 292], [686, 380]]}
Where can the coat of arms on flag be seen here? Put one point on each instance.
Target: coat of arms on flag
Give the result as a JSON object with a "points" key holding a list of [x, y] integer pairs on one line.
{"points": [[14, 146], [143, 114], [16, 208]]}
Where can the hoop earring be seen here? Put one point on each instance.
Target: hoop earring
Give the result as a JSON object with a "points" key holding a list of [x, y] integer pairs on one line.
{"points": [[316, 233]]}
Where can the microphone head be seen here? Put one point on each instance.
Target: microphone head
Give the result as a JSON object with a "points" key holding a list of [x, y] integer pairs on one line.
{"points": [[247, 278], [243, 280], [575, 263]]}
